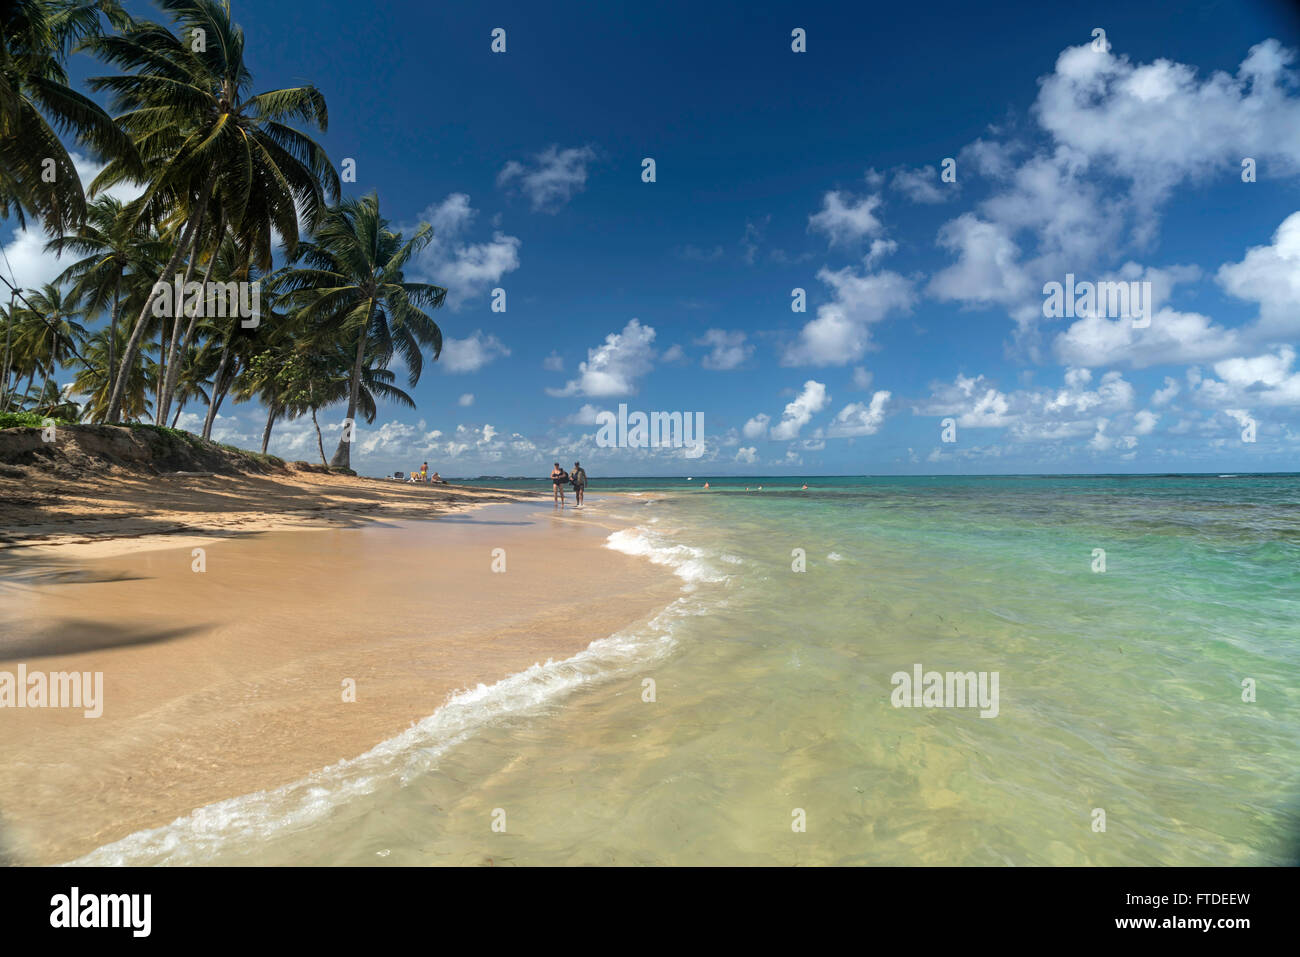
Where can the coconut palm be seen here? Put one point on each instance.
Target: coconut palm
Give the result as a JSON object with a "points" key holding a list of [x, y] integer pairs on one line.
{"points": [[91, 383], [46, 334], [353, 285], [114, 256], [37, 176], [205, 142]]}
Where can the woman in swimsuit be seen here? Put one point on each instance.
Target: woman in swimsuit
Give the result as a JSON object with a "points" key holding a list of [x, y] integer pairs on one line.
{"points": [[559, 478]]}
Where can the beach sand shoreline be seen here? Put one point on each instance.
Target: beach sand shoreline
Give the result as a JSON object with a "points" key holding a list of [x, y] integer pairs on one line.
{"points": [[233, 679]]}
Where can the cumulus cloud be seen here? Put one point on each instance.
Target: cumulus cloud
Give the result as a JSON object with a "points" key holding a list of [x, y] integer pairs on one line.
{"points": [[800, 411], [552, 178], [1270, 276], [1036, 415], [747, 456], [859, 418], [727, 350], [1158, 124], [613, 367], [1267, 379], [466, 400], [472, 353], [845, 219], [757, 426], [841, 332], [466, 269], [922, 185]]}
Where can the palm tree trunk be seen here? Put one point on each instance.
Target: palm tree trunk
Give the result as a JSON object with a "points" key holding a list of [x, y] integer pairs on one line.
{"points": [[173, 364], [218, 392], [112, 331], [320, 443], [9, 328], [342, 457], [163, 335], [133, 344], [180, 407], [266, 434]]}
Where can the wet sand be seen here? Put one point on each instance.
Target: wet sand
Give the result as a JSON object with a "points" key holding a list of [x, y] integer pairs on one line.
{"points": [[232, 680]]}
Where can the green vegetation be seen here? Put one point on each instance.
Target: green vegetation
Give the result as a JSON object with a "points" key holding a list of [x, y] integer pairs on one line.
{"points": [[28, 420], [226, 175]]}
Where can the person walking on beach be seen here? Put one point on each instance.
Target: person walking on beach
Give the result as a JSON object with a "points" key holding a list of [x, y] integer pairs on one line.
{"points": [[559, 478], [424, 472], [579, 476]]}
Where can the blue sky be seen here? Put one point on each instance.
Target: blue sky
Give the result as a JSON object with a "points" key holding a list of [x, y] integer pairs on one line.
{"points": [[820, 170]]}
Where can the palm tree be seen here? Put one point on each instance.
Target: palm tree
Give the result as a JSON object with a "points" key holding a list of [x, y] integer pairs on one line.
{"points": [[93, 384], [45, 335], [353, 284], [37, 176], [204, 141], [114, 256]]}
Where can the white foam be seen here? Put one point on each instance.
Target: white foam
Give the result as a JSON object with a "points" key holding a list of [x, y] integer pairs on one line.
{"points": [[835, 557], [252, 818], [686, 562]]}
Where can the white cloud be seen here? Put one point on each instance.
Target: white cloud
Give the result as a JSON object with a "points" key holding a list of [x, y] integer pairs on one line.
{"points": [[747, 456], [798, 412], [472, 353], [1036, 415], [1158, 124], [553, 179], [1166, 394], [1270, 275], [857, 418], [466, 269], [845, 219], [613, 367], [466, 400], [1266, 379], [862, 378], [922, 185], [554, 362], [757, 426], [841, 332], [727, 349]]}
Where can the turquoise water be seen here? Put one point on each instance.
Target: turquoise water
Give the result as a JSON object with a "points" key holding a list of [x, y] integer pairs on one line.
{"points": [[1119, 692]]}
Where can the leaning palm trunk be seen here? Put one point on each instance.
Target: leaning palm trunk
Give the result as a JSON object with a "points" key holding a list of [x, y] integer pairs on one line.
{"points": [[133, 344], [266, 433], [112, 333], [342, 455], [218, 390], [168, 375], [9, 328], [173, 364]]}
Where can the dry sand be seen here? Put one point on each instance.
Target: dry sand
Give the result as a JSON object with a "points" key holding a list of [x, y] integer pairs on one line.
{"points": [[230, 680]]}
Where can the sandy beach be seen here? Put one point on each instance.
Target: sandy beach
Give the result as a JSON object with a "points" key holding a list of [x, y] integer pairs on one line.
{"points": [[233, 679]]}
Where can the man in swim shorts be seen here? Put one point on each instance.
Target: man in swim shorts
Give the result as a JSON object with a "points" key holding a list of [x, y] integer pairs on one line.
{"points": [[579, 482]]}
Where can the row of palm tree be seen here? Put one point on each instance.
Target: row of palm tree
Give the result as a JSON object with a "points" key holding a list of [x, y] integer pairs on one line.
{"points": [[226, 180]]}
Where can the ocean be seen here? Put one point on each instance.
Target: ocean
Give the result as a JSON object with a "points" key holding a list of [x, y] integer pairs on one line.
{"points": [[1136, 640]]}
